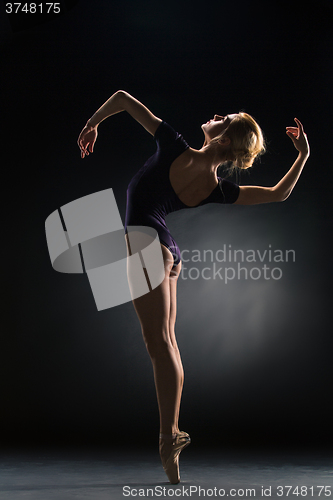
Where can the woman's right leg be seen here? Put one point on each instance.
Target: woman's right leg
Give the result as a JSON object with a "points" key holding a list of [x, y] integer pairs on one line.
{"points": [[172, 321]]}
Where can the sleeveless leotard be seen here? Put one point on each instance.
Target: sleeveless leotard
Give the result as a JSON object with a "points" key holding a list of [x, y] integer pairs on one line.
{"points": [[151, 197]]}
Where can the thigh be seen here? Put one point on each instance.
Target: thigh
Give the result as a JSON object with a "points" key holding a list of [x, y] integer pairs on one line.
{"points": [[153, 308], [173, 301]]}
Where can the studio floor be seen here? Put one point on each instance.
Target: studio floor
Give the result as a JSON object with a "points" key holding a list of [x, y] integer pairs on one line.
{"points": [[115, 474]]}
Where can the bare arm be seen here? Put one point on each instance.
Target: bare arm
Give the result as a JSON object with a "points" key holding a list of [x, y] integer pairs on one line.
{"points": [[251, 195], [120, 101]]}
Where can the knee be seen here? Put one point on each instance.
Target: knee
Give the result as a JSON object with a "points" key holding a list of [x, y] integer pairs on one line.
{"points": [[158, 343]]}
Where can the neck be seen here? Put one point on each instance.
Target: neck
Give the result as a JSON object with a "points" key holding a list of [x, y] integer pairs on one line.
{"points": [[209, 156]]}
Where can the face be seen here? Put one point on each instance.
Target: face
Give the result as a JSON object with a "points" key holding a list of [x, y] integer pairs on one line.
{"points": [[217, 125]]}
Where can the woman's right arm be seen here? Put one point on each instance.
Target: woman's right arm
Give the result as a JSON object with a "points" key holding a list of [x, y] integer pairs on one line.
{"points": [[120, 101], [251, 195]]}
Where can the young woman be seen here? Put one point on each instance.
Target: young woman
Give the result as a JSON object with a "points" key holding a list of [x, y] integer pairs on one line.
{"points": [[176, 177]]}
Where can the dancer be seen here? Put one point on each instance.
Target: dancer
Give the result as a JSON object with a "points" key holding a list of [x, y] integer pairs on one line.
{"points": [[176, 177]]}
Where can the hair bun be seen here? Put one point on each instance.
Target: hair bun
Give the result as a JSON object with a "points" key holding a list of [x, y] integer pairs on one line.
{"points": [[247, 141]]}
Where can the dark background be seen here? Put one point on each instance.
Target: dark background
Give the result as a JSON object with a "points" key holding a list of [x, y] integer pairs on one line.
{"points": [[257, 354]]}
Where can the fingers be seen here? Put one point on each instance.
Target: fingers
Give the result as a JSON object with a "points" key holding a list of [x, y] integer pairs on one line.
{"points": [[295, 131], [84, 151], [299, 124], [292, 130], [84, 148], [299, 137], [86, 142], [292, 133]]}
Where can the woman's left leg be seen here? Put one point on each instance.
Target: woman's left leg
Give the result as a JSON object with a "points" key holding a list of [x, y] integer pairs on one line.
{"points": [[156, 311], [153, 310]]}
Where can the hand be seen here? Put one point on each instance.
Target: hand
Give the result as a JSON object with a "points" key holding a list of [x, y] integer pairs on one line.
{"points": [[299, 138], [87, 139]]}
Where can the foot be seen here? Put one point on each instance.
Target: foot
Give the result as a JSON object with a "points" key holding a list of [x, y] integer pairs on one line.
{"points": [[170, 448]]}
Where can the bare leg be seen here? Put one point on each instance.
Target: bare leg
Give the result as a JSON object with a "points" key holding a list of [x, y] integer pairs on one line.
{"points": [[172, 322], [157, 314]]}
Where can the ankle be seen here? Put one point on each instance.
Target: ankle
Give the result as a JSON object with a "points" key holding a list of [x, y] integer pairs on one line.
{"points": [[168, 437]]}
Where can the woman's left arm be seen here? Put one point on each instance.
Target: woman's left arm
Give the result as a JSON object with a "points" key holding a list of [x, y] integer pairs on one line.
{"points": [[251, 195], [119, 101]]}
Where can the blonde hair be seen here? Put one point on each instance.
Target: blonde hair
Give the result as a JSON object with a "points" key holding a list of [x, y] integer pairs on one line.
{"points": [[246, 141]]}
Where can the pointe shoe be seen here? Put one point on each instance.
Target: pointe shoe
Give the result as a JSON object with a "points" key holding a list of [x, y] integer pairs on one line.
{"points": [[170, 448]]}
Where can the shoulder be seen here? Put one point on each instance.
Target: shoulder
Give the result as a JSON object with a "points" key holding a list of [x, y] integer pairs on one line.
{"points": [[166, 135], [230, 190], [226, 192]]}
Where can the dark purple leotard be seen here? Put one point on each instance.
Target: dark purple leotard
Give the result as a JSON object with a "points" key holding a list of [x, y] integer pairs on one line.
{"points": [[150, 196]]}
